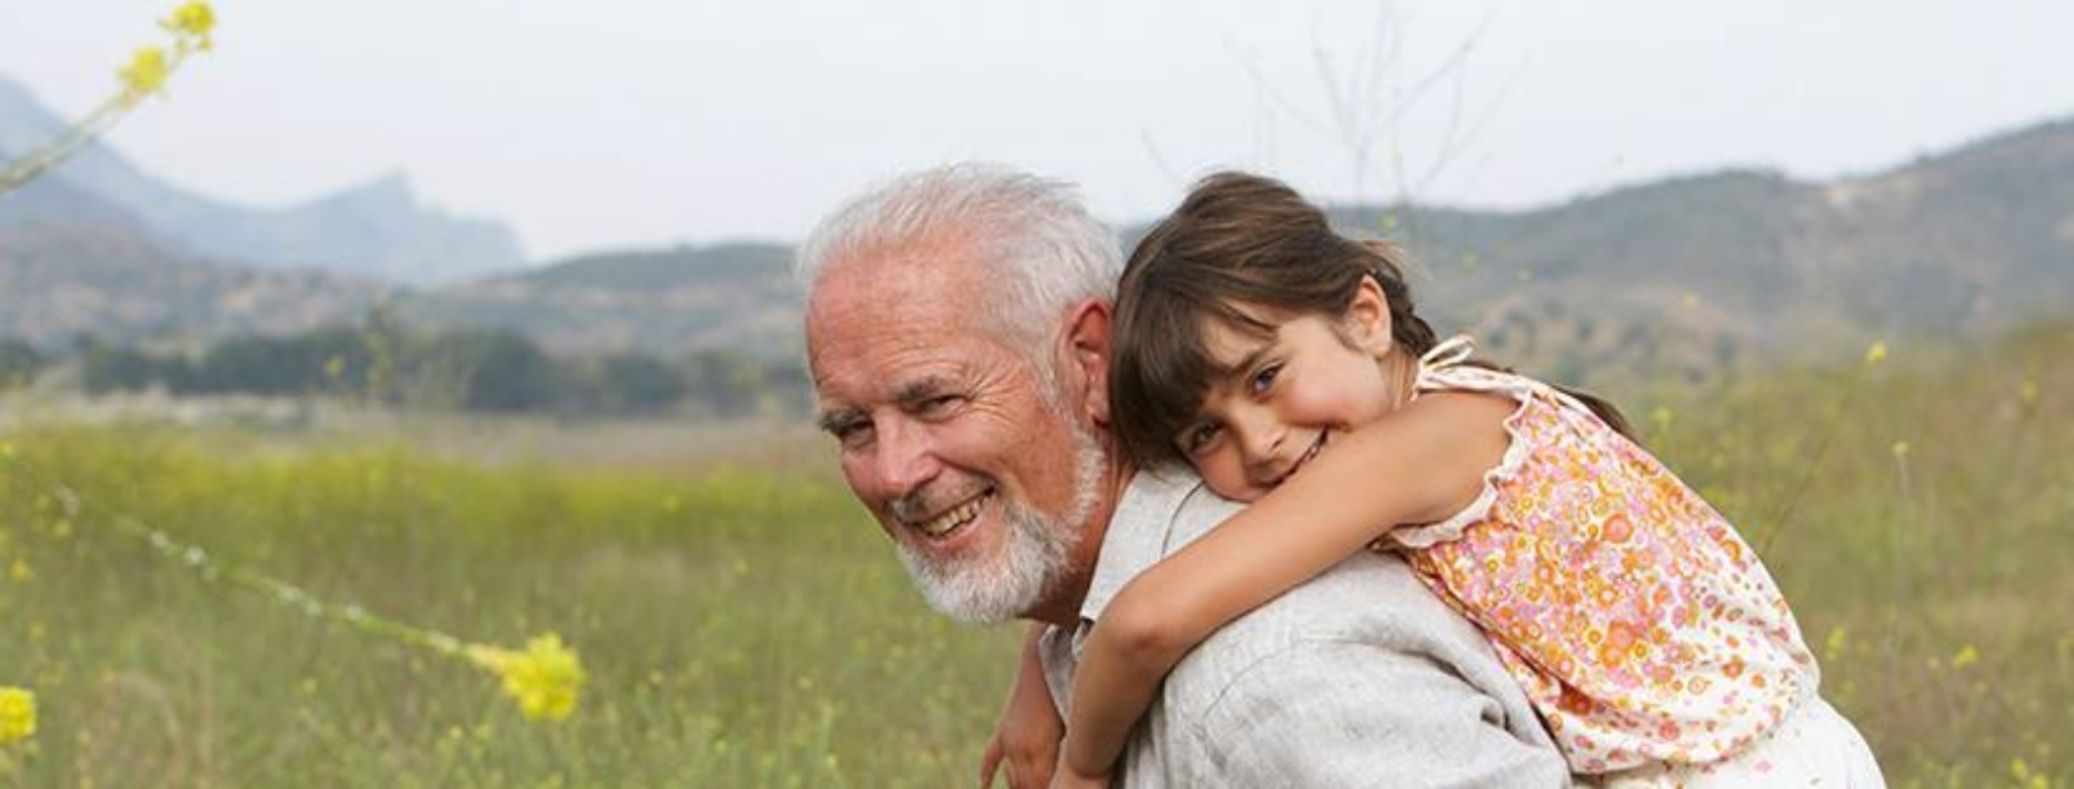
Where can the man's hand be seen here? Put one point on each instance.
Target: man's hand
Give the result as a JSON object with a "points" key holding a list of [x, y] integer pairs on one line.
{"points": [[1068, 778], [1026, 739], [1029, 759]]}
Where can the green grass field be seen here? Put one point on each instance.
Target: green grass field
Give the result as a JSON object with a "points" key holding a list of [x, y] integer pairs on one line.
{"points": [[744, 623]]}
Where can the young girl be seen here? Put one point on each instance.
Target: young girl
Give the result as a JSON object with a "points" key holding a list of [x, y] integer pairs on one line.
{"points": [[1285, 364]]}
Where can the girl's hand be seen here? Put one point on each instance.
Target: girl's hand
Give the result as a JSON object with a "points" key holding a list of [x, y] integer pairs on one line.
{"points": [[1026, 739]]}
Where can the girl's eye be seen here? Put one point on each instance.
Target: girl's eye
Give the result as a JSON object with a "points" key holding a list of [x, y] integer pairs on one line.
{"points": [[1264, 378], [1199, 438]]}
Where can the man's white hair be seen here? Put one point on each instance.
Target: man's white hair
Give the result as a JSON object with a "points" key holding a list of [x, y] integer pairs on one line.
{"points": [[1042, 249]]}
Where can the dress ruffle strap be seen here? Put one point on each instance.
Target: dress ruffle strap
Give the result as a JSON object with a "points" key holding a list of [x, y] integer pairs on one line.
{"points": [[1447, 353], [1452, 353]]}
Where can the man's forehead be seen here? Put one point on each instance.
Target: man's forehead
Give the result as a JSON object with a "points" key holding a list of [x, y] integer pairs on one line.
{"points": [[880, 321], [898, 356], [941, 260]]}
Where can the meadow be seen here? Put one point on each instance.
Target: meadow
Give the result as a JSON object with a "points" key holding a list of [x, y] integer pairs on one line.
{"points": [[743, 623]]}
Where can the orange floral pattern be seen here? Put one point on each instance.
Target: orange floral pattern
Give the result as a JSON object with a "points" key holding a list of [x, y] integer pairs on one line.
{"points": [[1642, 627]]}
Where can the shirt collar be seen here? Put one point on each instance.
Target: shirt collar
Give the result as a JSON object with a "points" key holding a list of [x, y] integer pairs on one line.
{"points": [[1138, 534]]}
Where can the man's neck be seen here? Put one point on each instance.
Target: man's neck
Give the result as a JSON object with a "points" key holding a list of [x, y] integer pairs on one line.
{"points": [[1062, 606]]}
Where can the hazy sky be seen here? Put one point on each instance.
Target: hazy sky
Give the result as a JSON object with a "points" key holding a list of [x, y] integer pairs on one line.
{"points": [[613, 123]]}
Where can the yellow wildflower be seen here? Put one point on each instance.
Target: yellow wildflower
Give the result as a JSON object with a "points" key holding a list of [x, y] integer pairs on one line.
{"points": [[20, 572], [145, 74], [1836, 643], [17, 714], [191, 23], [1967, 656], [1877, 353], [544, 679], [2028, 392], [1900, 450]]}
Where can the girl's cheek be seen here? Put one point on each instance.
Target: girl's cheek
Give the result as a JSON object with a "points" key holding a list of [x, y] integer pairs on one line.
{"points": [[1316, 406], [1224, 478]]}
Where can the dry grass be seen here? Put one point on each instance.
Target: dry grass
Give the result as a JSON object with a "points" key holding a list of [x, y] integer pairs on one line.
{"points": [[745, 624]]}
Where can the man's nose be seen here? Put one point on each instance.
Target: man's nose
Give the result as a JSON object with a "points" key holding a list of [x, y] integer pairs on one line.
{"points": [[904, 459]]}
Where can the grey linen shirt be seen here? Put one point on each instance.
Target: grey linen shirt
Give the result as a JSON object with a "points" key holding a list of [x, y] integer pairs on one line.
{"points": [[1360, 677]]}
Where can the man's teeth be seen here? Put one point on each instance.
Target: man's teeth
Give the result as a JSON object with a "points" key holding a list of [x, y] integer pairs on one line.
{"points": [[958, 516]]}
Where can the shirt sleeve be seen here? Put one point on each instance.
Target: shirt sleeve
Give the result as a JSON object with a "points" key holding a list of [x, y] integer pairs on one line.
{"points": [[1350, 714]]}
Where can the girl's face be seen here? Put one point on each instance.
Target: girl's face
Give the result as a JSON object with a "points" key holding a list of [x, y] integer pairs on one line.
{"points": [[1288, 395]]}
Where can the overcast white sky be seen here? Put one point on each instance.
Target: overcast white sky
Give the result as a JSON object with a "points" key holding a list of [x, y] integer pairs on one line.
{"points": [[614, 123]]}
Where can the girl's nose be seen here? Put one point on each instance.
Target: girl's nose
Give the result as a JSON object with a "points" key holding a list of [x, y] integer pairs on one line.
{"points": [[1260, 437]]}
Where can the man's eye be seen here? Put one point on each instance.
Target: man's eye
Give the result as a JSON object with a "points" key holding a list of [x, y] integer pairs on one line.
{"points": [[852, 435], [938, 404], [1264, 378]]}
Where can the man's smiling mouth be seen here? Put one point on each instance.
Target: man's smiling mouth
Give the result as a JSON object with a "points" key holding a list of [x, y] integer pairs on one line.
{"points": [[954, 518]]}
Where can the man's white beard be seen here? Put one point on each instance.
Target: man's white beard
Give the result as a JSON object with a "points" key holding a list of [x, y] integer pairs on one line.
{"points": [[1033, 555]]}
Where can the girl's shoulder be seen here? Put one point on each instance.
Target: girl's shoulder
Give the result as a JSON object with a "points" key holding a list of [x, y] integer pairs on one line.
{"points": [[1451, 366], [1539, 417]]}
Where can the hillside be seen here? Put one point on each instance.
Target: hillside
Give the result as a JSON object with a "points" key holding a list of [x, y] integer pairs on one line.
{"points": [[738, 296], [1683, 277], [60, 283], [1694, 273]]}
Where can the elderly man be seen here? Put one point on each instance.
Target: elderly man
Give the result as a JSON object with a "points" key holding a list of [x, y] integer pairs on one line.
{"points": [[958, 333]]}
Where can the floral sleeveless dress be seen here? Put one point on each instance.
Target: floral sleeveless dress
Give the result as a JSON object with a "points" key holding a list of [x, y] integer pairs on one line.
{"points": [[1644, 630]]}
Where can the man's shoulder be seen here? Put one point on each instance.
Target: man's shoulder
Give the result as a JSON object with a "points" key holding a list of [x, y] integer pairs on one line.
{"points": [[1369, 596], [1359, 672], [1367, 600]]}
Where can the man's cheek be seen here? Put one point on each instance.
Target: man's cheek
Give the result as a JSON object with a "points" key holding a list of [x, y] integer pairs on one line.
{"points": [[857, 475]]}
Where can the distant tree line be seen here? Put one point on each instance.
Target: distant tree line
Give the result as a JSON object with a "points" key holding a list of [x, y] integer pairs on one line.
{"points": [[19, 363], [447, 369]]}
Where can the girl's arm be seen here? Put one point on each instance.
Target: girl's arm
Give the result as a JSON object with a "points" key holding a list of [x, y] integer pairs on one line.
{"points": [[1418, 465]]}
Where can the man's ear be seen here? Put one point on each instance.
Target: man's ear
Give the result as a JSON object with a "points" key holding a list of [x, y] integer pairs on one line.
{"points": [[1367, 321], [1085, 368]]}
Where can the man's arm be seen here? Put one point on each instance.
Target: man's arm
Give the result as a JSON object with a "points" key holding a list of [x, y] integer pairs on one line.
{"points": [[1337, 713]]}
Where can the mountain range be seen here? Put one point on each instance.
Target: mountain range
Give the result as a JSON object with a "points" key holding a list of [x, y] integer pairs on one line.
{"points": [[1695, 272], [378, 230], [1685, 275]]}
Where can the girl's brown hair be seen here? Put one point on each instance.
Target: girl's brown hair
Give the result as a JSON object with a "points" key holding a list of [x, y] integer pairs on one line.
{"points": [[1238, 240]]}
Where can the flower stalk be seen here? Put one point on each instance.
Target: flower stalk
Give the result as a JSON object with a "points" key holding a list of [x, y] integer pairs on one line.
{"points": [[191, 28], [545, 679]]}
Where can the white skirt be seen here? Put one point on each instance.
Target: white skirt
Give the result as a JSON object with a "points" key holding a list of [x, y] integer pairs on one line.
{"points": [[1814, 746]]}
